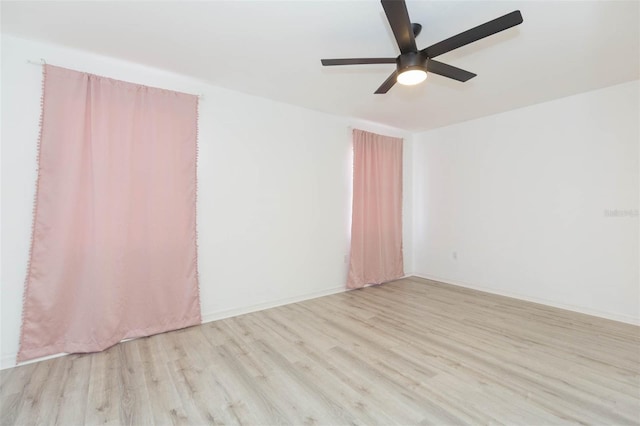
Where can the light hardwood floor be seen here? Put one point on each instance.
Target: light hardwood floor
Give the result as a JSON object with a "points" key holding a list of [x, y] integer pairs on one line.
{"points": [[408, 352]]}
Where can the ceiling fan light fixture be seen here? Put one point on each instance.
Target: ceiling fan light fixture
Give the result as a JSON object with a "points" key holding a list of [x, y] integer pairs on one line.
{"points": [[412, 77], [412, 68], [412, 65]]}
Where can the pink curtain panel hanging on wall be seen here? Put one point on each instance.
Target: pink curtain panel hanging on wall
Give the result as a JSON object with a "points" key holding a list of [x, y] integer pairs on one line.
{"points": [[376, 225], [113, 253]]}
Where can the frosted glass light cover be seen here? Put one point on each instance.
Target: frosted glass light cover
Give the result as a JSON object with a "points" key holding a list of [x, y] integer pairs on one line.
{"points": [[411, 77]]}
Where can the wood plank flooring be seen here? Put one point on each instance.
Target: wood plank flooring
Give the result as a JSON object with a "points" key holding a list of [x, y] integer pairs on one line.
{"points": [[409, 352]]}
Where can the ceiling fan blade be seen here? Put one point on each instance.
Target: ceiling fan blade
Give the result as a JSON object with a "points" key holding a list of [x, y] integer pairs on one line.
{"points": [[358, 61], [474, 34], [388, 84], [396, 11], [450, 71]]}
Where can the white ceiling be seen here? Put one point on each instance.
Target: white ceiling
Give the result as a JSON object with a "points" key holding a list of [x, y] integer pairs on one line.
{"points": [[273, 49]]}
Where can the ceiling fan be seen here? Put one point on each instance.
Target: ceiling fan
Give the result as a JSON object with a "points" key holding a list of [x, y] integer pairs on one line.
{"points": [[412, 64]]}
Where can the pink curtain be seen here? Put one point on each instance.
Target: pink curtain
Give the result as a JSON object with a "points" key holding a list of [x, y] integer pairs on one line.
{"points": [[113, 254], [376, 227]]}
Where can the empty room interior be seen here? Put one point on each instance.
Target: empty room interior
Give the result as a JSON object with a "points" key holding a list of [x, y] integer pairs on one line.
{"points": [[320, 212]]}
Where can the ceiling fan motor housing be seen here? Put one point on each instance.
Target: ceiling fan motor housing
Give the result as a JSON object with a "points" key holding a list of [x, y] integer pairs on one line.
{"points": [[411, 61]]}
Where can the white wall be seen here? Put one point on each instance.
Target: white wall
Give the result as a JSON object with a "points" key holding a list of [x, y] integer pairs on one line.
{"points": [[522, 196], [274, 199]]}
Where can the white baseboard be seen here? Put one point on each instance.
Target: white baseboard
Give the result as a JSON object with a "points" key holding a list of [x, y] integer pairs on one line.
{"points": [[8, 361], [580, 309], [218, 315]]}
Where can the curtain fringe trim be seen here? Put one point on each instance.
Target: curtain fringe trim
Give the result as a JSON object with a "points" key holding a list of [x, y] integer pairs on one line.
{"points": [[33, 210], [195, 219]]}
